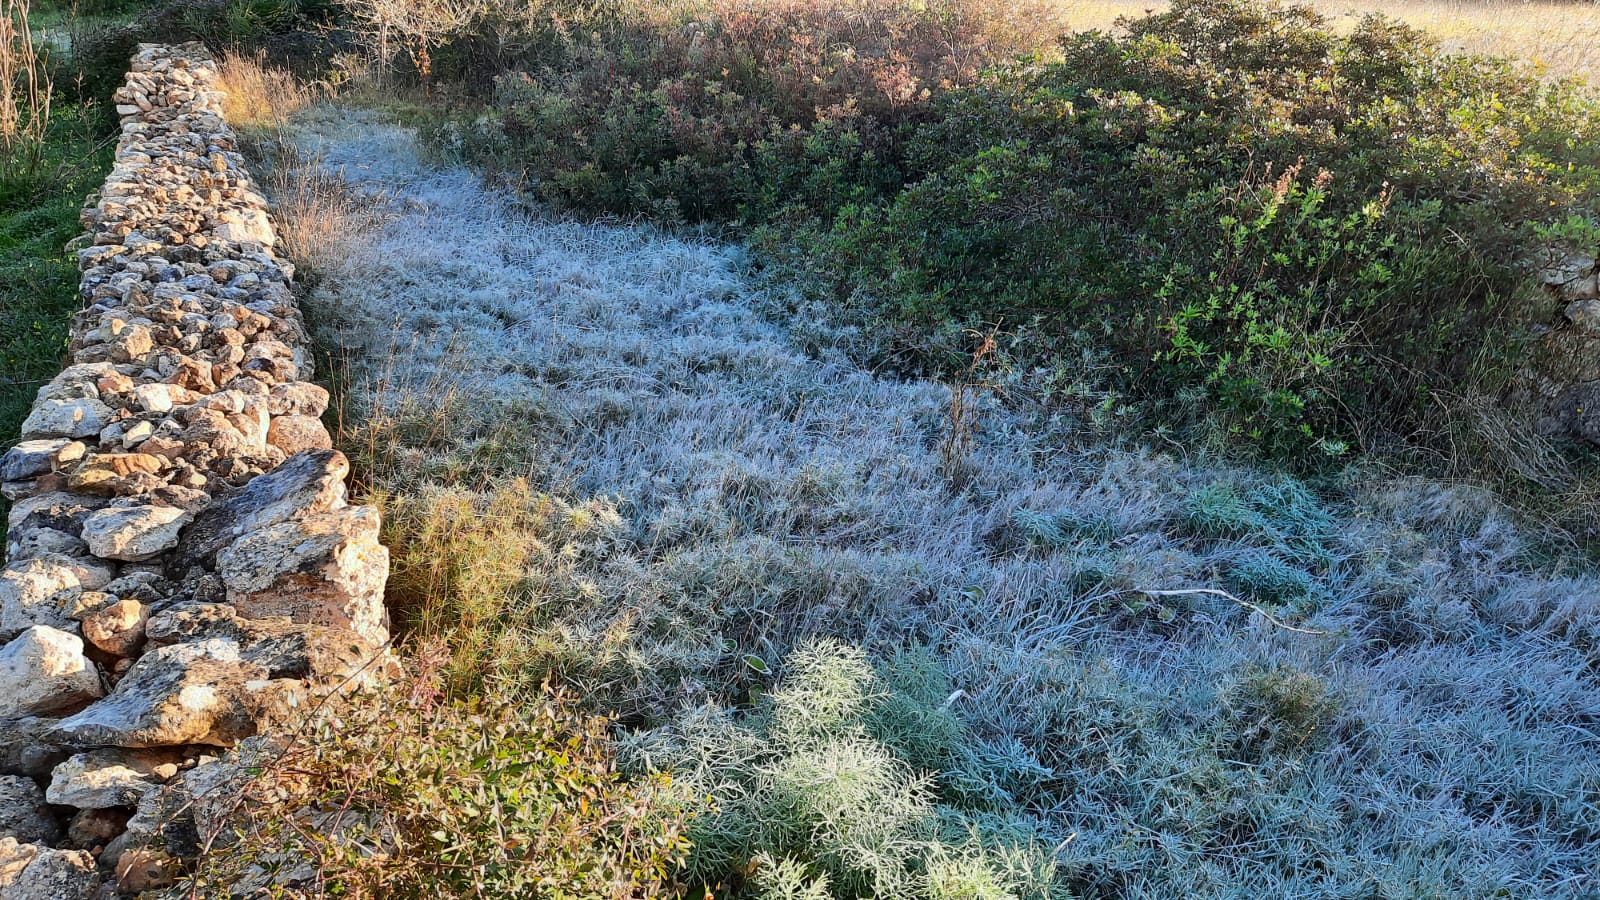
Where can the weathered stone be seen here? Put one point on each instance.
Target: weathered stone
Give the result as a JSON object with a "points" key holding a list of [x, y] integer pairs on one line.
{"points": [[61, 511], [161, 829], [297, 398], [144, 586], [24, 748], [23, 813], [110, 777], [37, 591], [34, 872], [93, 573], [294, 434], [325, 569], [117, 628], [137, 434], [306, 484], [140, 870], [132, 345], [31, 458], [183, 694], [110, 474], [75, 382], [32, 543], [159, 397], [321, 656], [133, 533], [14, 857], [80, 418], [44, 671], [1584, 316]]}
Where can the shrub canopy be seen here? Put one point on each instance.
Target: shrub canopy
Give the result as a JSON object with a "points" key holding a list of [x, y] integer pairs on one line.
{"points": [[1304, 236]]}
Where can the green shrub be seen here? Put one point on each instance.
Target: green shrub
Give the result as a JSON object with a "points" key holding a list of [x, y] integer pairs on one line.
{"points": [[405, 796], [1277, 514], [1270, 231], [469, 568], [1312, 233], [1263, 577], [722, 110]]}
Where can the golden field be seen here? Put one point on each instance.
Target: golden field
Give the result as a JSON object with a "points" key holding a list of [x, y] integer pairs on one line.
{"points": [[1564, 37]]}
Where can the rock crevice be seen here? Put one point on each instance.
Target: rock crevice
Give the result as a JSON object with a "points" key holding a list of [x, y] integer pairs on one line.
{"points": [[178, 577]]}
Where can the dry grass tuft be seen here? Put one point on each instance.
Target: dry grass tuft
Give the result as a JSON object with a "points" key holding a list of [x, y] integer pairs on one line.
{"points": [[319, 218], [261, 97]]}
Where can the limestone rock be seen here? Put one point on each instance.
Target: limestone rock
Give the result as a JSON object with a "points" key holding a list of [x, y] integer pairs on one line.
{"points": [[325, 569], [30, 458], [93, 829], [304, 485], [133, 533], [116, 628], [38, 591], [110, 777], [161, 829], [294, 434], [76, 418], [183, 694], [24, 748], [33, 543], [59, 511], [44, 671], [321, 656], [34, 872], [1584, 316], [112, 474], [23, 813], [141, 870], [297, 398], [93, 573]]}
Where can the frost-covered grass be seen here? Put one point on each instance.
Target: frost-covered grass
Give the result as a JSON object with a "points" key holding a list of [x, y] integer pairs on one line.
{"points": [[599, 464]]}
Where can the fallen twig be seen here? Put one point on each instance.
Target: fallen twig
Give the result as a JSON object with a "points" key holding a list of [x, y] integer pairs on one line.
{"points": [[1244, 603]]}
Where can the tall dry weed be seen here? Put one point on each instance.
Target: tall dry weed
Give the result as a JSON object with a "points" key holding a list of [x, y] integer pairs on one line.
{"points": [[319, 218], [25, 86]]}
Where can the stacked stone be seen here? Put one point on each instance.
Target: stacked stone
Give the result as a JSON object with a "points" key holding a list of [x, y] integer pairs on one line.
{"points": [[182, 567], [1567, 378]]}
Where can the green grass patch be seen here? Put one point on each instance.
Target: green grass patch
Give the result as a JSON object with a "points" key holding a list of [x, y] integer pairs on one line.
{"points": [[39, 206]]}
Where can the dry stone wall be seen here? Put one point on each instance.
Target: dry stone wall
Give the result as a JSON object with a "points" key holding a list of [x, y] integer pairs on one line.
{"points": [[182, 569], [1564, 384]]}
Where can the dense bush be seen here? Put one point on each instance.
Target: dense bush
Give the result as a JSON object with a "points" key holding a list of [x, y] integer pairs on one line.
{"points": [[1310, 233], [727, 109], [1300, 237]]}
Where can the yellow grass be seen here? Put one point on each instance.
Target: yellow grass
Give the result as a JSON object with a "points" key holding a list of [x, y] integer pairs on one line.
{"points": [[1565, 37], [258, 97]]}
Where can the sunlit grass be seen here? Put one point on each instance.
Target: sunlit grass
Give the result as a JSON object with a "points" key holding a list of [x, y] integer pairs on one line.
{"points": [[1565, 37]]}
